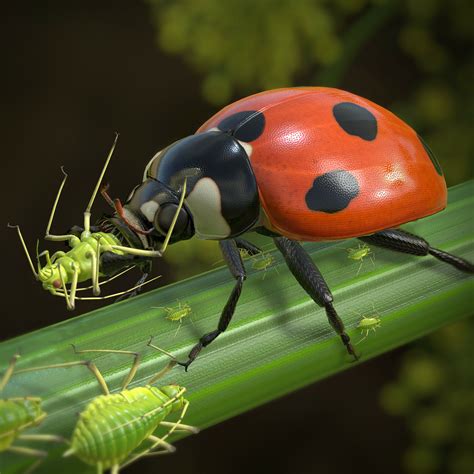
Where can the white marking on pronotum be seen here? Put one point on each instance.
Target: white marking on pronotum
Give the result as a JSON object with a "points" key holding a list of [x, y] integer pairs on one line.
{"points": [[247, 147], [148, 166], [204, 203], [149, 209]]}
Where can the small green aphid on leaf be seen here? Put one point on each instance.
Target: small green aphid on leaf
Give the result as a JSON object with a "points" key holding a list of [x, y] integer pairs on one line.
{"points": [[359, 253], [113, 426], [178, 313], [367, 324], [17, 415]]}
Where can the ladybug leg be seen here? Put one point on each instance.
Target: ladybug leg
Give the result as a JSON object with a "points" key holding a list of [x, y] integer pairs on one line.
{"points": [[402, 241], [233, 259], [246, 245], [309, 277]]}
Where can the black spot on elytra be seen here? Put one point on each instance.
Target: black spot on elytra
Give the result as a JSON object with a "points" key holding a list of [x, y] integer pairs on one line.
{"points": [[432, 156], [247, 125], [332, 192], [356, 120]]}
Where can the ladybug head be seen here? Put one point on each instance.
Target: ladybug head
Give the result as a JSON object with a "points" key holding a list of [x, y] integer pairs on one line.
{"points": [[155, 205], [147, 216]]}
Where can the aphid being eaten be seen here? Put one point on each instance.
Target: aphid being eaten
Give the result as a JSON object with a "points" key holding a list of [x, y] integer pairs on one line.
{"points": [[18, 415], [112, 428], [95, 253], [178, 313], [359, 253]]}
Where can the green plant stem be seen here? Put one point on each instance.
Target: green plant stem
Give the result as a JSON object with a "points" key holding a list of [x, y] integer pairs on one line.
{"points": [[278, 341]]}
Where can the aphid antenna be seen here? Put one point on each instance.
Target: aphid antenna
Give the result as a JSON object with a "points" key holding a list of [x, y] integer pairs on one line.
{"points": [[64, 293], [133, 370], [87, 212], [84, 288], [169, 366], [25, 248]]}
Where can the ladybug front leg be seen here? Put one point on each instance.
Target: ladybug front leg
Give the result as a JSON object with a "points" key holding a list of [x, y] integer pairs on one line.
{"points": [[309, 277], [402, 241], [233, 260]]}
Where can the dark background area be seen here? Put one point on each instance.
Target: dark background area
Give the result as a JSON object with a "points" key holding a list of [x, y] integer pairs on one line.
{"points": [[73, 73]]}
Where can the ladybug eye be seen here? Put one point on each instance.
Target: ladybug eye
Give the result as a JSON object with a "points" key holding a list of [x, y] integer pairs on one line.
{"points": [[164, 217]]}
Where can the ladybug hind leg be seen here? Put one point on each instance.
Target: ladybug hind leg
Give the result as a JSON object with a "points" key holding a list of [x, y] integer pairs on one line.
{"points": [[309, 277], [402, 241]]}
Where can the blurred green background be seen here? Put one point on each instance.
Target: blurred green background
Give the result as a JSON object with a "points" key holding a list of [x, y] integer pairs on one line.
{"points": [[75, 72]]}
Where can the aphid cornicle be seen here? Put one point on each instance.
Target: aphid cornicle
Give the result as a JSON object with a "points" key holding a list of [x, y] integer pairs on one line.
{"points": [[113, 427], [93, 254], [18, 415]]}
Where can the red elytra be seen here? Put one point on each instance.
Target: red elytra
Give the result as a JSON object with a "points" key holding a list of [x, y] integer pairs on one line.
{"points": [[398, 180]]}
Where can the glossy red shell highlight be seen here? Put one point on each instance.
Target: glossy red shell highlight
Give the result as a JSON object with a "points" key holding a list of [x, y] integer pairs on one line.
{"points": [[302, 140]]}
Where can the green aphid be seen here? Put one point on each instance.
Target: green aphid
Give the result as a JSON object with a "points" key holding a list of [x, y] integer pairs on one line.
{"points": [[112, 427], [359, 253], [18, 415], [367, 324], [262, 262], [178, 313], [92, 255]]}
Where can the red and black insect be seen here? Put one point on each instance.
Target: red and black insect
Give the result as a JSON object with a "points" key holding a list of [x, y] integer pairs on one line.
{"points": [[296, 164]]}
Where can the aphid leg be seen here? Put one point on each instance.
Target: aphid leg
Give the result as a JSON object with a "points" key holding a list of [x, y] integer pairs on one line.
{"points": [[162, 447], [178, 328], [401, 241], [9, 372], [95, 269], [234, 262], [310, 278], [159, 441], [64, 292], [71, 296], [25, 248], [133, 370], [87, 212], [90, 365], [41, 437], [37, 453], [104, 282], [57, 238], [181, 427], [168, 367]]}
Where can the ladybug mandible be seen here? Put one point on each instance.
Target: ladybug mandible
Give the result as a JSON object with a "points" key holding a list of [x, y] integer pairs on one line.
{"points": [[296, 164]]}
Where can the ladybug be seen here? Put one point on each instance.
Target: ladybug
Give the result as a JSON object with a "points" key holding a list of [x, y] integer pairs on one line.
{"points": [[295, 164]]}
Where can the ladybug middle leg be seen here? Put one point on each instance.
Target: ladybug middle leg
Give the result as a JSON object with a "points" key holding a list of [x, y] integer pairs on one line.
{"points": [[309, 277], [231, 254], [402, 241]]}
